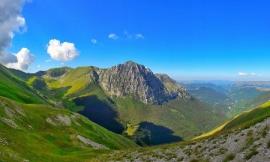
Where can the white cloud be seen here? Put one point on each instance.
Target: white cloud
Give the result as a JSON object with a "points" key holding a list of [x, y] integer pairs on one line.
{"points": [[23, 60], [94, 41], [126, 35], [139, 36], [245, 74], [11, 21], [62, 51], [113, 36]]}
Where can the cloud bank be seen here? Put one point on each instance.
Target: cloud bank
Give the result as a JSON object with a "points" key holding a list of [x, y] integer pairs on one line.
{"points": [[244, 74], [11, 21], [62, 51]]}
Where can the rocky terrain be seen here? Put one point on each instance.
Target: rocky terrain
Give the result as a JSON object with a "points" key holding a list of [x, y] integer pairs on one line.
{"points": [[251, 144], [132, 79]]}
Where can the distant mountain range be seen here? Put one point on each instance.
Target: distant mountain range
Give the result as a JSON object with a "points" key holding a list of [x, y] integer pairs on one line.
{"points": [[230, 97]]}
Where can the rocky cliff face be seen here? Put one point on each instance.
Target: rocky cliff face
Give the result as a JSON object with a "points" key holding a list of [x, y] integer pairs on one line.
{"points": [[132, 79]]}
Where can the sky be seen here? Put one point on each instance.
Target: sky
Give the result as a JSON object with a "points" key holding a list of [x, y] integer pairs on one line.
{"points": [[187, 39]]}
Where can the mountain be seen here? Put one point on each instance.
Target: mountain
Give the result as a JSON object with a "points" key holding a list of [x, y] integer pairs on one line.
{"points": [[129, 98], [244, 138], [231, 98], [132, 79]]}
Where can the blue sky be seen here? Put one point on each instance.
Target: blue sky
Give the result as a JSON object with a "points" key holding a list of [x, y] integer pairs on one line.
{"points": [[188, 39]]}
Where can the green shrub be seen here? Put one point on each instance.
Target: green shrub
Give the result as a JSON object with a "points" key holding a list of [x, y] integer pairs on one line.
{"points": [[229, 157], [251, 153]]}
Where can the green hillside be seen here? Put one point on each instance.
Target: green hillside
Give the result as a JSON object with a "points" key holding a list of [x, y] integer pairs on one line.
{"points": [[242, 121], [43, 133], [14, 88], [180, 116]]}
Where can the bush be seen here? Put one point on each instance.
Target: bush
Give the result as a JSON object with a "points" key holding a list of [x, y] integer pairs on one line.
{"points": [[251, 153], [268, 144], [229, 157]]}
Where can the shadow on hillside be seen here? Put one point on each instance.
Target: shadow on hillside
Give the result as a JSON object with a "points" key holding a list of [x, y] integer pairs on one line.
{"points": [[156, 134], [99, 112]]}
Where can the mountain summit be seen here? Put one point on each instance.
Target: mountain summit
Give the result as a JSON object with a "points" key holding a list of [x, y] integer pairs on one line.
{"points": [[132, 79]]}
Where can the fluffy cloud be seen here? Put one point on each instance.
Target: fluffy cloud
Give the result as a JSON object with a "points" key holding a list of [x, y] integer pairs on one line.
{"points": [[62, 51], [244, 74], [11, 21], [113, 36], [23, 60]]}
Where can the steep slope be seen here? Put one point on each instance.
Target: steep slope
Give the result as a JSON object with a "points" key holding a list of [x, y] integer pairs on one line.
{"points": [[130, 98], [244, 138], [13, 87], [43, 133], [132, 79]]}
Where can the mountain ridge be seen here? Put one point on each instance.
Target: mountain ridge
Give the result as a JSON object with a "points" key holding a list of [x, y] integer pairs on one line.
{"points": [[130, 79]]}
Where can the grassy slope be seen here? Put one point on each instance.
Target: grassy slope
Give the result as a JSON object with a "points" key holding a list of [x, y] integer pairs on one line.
{"points": [[26, 134], [14, 88], [178, 115], [75, 80], [241, 121]]}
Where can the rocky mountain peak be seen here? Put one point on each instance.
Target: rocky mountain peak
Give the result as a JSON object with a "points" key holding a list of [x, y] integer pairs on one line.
{"points": [[139, 82]]}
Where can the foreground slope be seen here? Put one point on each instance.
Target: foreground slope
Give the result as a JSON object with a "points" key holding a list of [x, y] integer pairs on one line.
{"points": [[244, 138], [42, 133]]}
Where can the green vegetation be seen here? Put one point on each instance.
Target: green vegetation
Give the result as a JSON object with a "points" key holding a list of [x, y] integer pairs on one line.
{"points": [[249, 118], [241, 121], [268, 144], [43, 133], [251, 153], [169, 115], [16, 89], [229, 157]]}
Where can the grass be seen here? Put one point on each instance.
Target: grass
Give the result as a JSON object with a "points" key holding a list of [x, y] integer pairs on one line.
{"points": [[75, 79], [229, 157], [35, 139], [251, 153], [14, 88], [268, 144], [241, 121], [177, 115]]}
